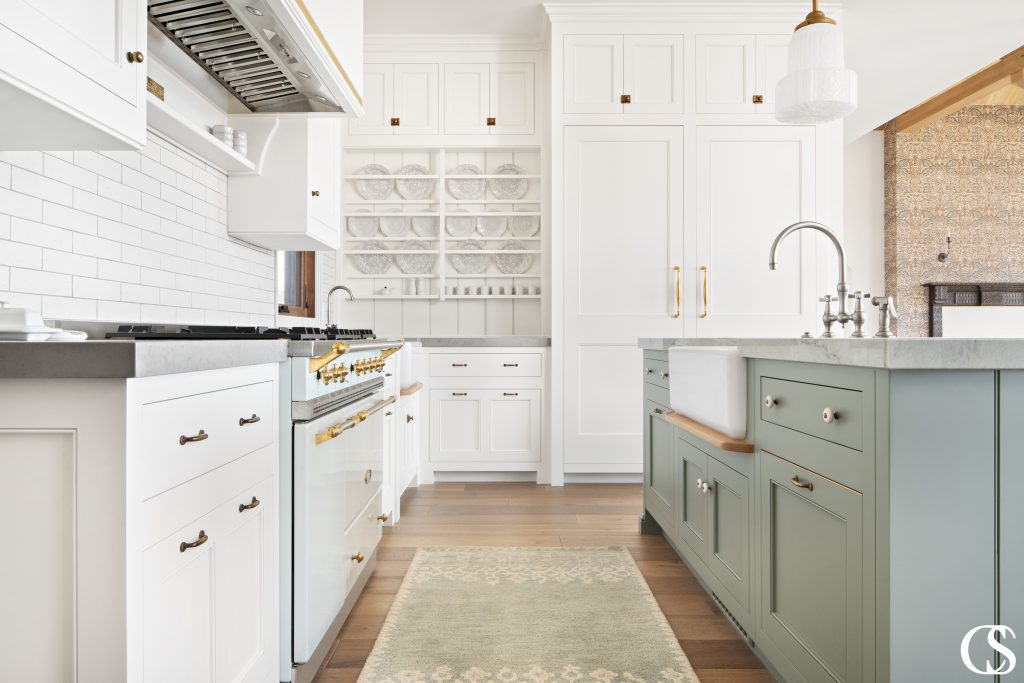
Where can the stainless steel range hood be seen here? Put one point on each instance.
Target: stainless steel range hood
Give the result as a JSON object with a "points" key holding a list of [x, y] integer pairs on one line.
{"points": [[248, 48]]}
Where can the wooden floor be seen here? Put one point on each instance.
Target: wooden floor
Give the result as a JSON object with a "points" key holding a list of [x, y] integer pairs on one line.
{"points": [[531, 515]]}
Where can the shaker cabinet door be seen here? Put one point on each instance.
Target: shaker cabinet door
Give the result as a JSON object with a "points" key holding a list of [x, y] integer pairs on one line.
{"points": [[416, 94], [653, 74], [466, 98], [691, 499], [378, 101], [659, 449], [725, 74], [324, 168], [511, 99], [592, 74], [772, 59], [729, 525], [457, 425]]}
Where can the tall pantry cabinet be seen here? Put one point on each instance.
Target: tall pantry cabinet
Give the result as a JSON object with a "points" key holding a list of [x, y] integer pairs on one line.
{"points": [[670, 179]]}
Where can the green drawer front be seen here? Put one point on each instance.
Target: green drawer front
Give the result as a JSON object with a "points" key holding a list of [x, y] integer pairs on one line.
{"points": [[659, 395], [803, 407], [656, 372]]}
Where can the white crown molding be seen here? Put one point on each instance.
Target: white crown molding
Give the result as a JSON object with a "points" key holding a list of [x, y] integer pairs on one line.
{"points": [[702, 10], [407, 42]]}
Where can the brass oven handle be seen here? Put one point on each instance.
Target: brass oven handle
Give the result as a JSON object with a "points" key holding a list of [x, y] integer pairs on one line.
{"points": [[679, 291], [201, 436], [337, 350], [242, 507], [704, 288], [795, 481], [203, 538], [336, 429], [242, 421]]}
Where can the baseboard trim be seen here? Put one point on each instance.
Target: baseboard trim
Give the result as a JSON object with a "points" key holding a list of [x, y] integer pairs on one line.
{"points": [[610, 478], [484, 477]]}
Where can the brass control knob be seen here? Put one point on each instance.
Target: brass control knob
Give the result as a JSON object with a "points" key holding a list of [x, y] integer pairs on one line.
{"points": [[383, 518]]}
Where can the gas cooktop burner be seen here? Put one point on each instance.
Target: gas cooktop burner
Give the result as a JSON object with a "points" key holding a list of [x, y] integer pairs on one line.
{"points": [[235, 332]]}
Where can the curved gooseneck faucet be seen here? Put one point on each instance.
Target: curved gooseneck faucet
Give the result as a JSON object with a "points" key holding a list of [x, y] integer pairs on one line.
{"points": [[842, 288], [332, 291]]}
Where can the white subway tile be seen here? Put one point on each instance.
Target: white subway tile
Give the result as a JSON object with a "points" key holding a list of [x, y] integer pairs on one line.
{"points": [[30, 232], [158, 314], [159, 278], [151, 150], [186, 184], [18, 254], [40, 186], [175, 297], [91, 288], [166, 245], [122, 272], [172, 194], [63, 156], [175, 264], [178, 163], [157, 171], [5, 278], [175, 230], [5, 227], [32, 302], [97, 163], [119, 232], [59, 169], [141, 181], [21, 205], [96, 246], [128, 158], [191, 219], [204, 209], [118, 311], [5, 174], [64, 308], [204, 240], [31, 161], [40, 282], [140, 219], [96, 205], [159, 207], [204, 301], [191, 251], [140, 294], [205, 178], [66, 262], [217, 199], [120, 193], [66, 217], [140, 257], [262, 320]]}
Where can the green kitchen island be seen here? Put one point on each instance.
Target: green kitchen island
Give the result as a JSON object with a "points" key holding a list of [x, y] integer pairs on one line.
{"points": [[878, 515]]}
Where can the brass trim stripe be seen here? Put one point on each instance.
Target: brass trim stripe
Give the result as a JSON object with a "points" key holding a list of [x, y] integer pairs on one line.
{"points": [[334, 57]]}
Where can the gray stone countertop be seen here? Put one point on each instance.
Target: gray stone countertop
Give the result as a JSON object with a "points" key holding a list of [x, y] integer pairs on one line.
{"points": [[483, 341], [894, 353], [122, 359]]}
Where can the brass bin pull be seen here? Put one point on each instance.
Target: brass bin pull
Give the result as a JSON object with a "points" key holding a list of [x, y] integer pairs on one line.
{"points": [[460, 365], [203, 538], [242, 507], [242, 421], [336, 429], [704, 289], [795, 481], [510, 365], [679, 291], [201, 436], [459, 393], [510, 393]]}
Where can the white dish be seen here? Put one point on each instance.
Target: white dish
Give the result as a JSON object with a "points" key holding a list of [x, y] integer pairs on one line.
{"points": [[426, 226], [466, 188], [415, 264], [469, 263], [363, 226], [513, 264], [374, 189], [68, 336], [394, 226], [524, 226], [509, 188], [415, 189], [459, 226], [41, 333], [373, 264], [491, 226]]}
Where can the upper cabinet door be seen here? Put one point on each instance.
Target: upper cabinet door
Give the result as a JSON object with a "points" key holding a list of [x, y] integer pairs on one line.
{"points": [[324, 167], [752, 181], [416, 99], [511, 99], [725, 74], [653, 74], [772, 60], [466, 98], [378, 101], [592, 74]]}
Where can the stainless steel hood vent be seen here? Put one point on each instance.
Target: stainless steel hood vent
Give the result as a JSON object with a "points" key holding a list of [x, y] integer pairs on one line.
{"points": [[246, 50]]}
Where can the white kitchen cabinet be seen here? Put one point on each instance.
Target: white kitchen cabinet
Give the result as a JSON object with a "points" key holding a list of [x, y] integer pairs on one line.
{"points": [[401, 99], [511, 99], [752, 181], [486, 99], [737, 74], [485, 426], [616, 74], [457, 425], [295, 204], [409, 448], [73, 74]]}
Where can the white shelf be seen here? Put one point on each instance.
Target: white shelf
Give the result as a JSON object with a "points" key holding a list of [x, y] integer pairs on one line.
{"points": [[475, 251], [495, 276], [372, 202], [481, 176], [492, 296], [393, 176], [352, 239], [388, 276], [490, 201], [410, 214], [397, 297], [195, 138], [353, 252]]}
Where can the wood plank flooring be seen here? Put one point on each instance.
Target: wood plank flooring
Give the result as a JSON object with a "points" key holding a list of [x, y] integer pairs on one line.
{"points": [[530, 515]]}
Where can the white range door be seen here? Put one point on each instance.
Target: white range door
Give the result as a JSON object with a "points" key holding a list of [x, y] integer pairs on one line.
{"points": [[623, 246]]}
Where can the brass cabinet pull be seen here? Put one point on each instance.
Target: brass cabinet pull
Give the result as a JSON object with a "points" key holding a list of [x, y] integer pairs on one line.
{"points": [[829, 416], [795, 481], [625, 99], [758, 99], [203, 538], [383, 518], [510, 365], [704, 273], [316, 193], [358, 557], [367, 476], [459, 393], [460, 365], [491, 121], [408, 419], [201, 436], [135, 57], [510, 393], [679, 291], [395, 121], [242, 507], [770, 401], [242, 421]]}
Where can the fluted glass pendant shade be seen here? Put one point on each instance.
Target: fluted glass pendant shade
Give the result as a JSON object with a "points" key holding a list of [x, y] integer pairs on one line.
{"points": [[818, 87]]}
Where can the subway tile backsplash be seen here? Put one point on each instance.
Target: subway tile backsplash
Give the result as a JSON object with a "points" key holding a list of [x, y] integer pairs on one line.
{"points": [[127, 236]]}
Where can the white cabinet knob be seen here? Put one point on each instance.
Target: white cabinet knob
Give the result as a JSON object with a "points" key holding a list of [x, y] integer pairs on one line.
{"points": [[829, 415], [700, 484], [770, 401], [705, 487]]}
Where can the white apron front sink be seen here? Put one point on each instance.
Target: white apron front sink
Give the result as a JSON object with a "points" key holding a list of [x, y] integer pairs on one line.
{"points": [[709, 384]]}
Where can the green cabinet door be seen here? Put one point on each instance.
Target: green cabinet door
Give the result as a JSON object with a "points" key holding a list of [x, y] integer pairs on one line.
{"points": [[729, 540], [691, 499], [659, 466], [1011, 515], [811, 576]]}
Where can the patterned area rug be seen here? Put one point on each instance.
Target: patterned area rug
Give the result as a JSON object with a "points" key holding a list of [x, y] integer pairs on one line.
{"points": [[546, 615]]}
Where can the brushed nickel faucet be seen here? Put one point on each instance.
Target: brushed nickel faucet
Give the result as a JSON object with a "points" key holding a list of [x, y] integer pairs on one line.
{"points": [[332, 291], [842, 288]]}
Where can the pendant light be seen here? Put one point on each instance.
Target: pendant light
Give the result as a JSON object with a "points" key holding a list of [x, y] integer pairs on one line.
{"points": [[817, 87]]}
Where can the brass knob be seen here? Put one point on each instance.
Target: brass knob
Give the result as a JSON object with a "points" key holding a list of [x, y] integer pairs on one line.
{"points": [[316, 193], [367, 476], [358, 557], [135, 57], [383, 518], [625, 99], [758, 99], [491, 121], [395, 121]]}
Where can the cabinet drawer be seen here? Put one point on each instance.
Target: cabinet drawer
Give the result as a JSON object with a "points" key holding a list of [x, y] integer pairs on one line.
{"points": [[222, 425], [362, 537], [656, 372], [829, 413], [486, 365]]}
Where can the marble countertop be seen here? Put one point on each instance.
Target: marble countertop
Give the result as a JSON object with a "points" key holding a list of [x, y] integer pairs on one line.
{"points": [[122, 359], [520, 340], [894, 353]]}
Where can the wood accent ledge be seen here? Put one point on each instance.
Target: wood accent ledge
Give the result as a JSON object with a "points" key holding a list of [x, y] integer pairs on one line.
{"points": [[411, 389], [712, 436]]}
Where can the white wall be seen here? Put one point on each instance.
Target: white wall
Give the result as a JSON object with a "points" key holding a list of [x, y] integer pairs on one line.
{"points": [[908, 51], [864, 213]]}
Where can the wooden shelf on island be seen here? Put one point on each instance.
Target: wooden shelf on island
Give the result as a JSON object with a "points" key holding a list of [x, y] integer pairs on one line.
{"points": [[712, 436]]}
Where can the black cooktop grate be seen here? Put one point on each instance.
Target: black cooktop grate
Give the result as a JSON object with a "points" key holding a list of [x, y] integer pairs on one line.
{"points": [[236, 332]]}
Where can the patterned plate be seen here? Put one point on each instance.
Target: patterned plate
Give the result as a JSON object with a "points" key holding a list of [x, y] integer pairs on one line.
{"points": [[394, 226], [373, 264], [513, 264], [511, 188], [525, 226], [491, 226], [362, 226], [459, 226], [469, 263], [466, 188], [374, 189], [426, 226], [415, 189], [415, 264]]}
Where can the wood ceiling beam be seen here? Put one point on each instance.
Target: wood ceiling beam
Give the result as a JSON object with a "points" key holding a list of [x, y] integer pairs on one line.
{"points": [[1006, 71]]}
